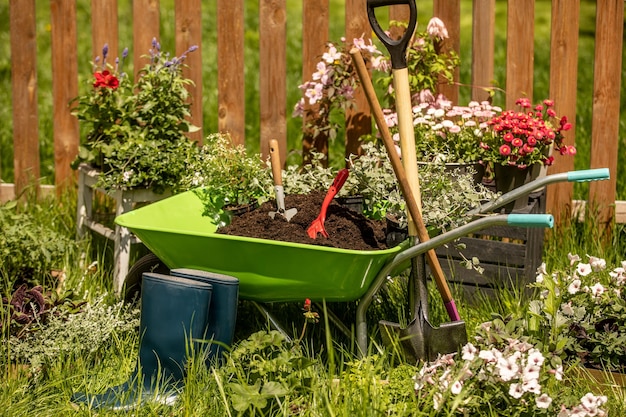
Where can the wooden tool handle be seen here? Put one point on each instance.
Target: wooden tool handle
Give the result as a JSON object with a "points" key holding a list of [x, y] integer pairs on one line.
{"points": [[396, 163], [275, 162]]}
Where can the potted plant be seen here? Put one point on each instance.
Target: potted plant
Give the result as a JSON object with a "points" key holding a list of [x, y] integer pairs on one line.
{"points": [[518, 141], [447, 134], [136, 131], [375, 180]]}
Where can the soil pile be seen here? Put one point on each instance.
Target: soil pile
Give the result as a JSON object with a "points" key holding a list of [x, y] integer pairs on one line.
{"points": [[346, 228]]}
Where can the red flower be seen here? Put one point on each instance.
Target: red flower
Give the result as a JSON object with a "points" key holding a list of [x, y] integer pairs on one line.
{"points": [[106, 79], [517, 142], [505, 150], [307, 304]]}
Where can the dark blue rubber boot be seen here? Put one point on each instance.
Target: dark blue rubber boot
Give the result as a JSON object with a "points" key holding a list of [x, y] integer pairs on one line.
{"points": [[174, 315], [223, 312]]}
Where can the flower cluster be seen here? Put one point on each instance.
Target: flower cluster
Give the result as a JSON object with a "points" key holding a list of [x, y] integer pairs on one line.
{"points": [[512, 377], [447, 133], [523, 138], [136, 132], [331, 88], [582, 310], [332, 85]]}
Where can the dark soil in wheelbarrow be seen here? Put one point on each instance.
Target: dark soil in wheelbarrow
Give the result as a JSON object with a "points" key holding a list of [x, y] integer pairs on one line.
{"points": [[347, 229]]}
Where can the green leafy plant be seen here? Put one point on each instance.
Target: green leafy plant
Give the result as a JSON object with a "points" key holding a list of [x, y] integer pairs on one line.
{"points": [[225, 177], [446, 196], [71, 333], [581, 312], [265, 370], [136, 132], [30, 249]]}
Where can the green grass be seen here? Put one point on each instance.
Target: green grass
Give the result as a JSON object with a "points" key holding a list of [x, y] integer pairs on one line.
{"points": [[336, 385], [294, 38]]}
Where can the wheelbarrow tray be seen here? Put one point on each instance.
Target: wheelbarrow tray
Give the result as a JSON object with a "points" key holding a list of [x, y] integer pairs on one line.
{"points": [[175, 230]]}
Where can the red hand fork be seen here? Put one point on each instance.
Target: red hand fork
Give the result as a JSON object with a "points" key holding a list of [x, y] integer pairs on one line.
{"points": [[317, 226]]}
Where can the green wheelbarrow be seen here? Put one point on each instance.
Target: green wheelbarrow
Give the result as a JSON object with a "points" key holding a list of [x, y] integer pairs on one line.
{"points": [[177, 233]]}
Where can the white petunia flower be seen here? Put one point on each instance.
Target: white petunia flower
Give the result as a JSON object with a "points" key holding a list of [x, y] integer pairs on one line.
{"points": [[543, 401], [583, 269], [516, 391], [597, 264], [574, 287], [597, 290]]}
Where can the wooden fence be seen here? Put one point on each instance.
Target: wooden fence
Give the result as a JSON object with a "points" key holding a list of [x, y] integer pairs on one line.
{"points": [[272, 70]]}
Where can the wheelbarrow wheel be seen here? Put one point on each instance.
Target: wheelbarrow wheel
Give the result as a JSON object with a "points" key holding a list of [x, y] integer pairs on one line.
{"points": [[132, 283]]}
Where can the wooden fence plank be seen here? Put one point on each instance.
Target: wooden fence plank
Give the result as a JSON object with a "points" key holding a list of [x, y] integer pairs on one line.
{"points": [[315, 16], [189, 33], [146, 26], [104, 29], [563, 84], [449, 11], [398, 13], [483, 47], [64, 89], [606, 103], [22, 24], [230, 69], [273, 72], [519, 50], [359, 118]]}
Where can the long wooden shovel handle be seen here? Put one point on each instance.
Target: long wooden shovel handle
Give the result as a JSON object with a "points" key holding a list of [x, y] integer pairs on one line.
{"points": [[405, 186]]}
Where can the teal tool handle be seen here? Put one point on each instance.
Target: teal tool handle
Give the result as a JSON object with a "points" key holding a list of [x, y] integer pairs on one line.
{"points": [[530, 220], [589, 175]]}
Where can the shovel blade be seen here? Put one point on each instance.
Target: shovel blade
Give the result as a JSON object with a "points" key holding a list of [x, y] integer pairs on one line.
{"points": [[287, 214], [421, 341]]}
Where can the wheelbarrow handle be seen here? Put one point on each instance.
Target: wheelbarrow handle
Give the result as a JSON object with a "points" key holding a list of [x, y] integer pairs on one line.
{"points": [[589, 175], [396, 48], [530, 220]]}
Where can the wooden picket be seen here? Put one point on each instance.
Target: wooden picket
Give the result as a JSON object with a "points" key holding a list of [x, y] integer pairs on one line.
{"points": [[272, 49]]}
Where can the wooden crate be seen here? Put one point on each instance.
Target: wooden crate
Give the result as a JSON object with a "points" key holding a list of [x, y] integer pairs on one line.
{"points": [[509, 255]]}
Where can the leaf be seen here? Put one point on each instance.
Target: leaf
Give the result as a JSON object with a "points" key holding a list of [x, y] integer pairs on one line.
{"points": [[274, 389]]}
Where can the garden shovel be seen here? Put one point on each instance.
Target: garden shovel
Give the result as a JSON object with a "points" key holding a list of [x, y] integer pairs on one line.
{"points": [[278, 184], [420, 340], [397, 51]]}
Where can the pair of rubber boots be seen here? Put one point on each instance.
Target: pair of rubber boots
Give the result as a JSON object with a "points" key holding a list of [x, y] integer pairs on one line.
{"points": [[187, 309]]}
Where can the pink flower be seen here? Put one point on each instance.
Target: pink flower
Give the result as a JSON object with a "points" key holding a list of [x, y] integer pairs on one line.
{"points": [[517, 142], [505, 150], [437, 29]]}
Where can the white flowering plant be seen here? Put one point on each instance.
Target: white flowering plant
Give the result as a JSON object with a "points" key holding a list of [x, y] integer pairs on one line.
{"points": [[581, 311], [445, 133], [501, 372]]}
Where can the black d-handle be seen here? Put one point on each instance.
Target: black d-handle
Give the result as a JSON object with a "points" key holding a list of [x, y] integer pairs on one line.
{"points": [[396, 48]]}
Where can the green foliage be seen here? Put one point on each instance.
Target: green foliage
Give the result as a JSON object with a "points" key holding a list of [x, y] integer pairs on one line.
{"points": [[446, 196], [71, 334], [136, 131], [224, 176], [265, 371], [581, 312], [31, 245]]}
